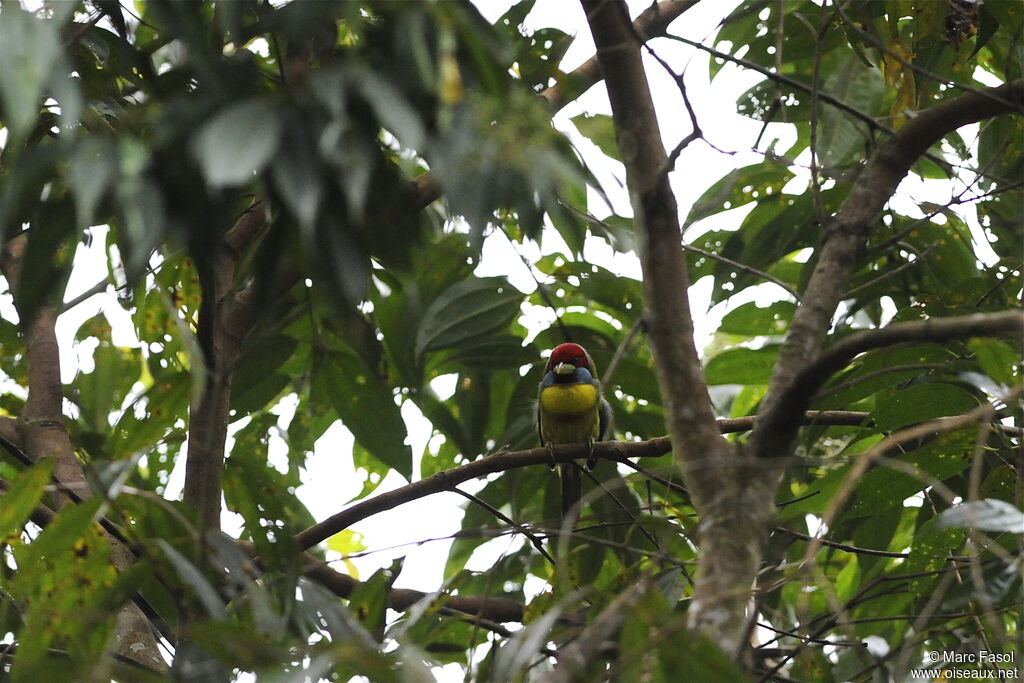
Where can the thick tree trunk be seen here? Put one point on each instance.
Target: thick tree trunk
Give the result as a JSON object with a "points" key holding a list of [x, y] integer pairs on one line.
{"points": [[731, 492]]}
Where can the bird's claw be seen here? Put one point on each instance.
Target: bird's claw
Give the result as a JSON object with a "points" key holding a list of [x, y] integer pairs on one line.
{"points": [[551, 454], [591, 456]]}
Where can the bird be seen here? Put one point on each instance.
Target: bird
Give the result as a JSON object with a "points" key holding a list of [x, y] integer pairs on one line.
{"points": [[571, 409]]}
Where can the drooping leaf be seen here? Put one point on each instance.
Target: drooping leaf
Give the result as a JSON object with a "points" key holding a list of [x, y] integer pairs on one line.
{"points": [[465, 311], [29, 52], [598, 129], [985, 515], [25, 491], [367, 408], [237, 143]]}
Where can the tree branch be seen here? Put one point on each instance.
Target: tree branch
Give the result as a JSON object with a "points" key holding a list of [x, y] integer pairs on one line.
{"points": [[493, 608], [97, 288], [844, 238], [746, 269], [731, 492], [653, 22], [519, 528], [9, 431], [783, 79], [777, 429], [447, 480], [228, 316]]}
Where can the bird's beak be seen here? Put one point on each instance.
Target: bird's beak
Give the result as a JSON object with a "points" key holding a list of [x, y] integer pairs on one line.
{"points": [[564, 369]]}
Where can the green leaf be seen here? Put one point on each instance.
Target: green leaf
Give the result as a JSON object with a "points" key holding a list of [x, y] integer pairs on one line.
{"points": [[499, 352], [25, 492], [257, 378], [91, 171], [393, 109], [882, 487], [877, 370], [599, 129], [640, 622], [742, 366], [347, 542], [930, 553], [752, 320], [238, 142], [193, 578], [296, 174], [339, 620], [63, 582], [700, 658], [367, 407], [165, 402], [102, 391], [841, 137], [369, 601], [920, 403], [370, 468], [29, 52], [739, 187], [997, 359], [522, 648], [466, 310], [987, 515]]}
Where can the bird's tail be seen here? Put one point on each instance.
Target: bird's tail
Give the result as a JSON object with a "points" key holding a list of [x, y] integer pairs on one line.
{"points": [[569, 474]]}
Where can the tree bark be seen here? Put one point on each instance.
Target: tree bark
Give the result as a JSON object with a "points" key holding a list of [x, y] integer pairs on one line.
{"points": [[843, 240], [731, 491], [226, 318], [42, 434]]}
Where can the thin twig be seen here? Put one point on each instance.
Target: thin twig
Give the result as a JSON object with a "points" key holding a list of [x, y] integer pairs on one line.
{"points": [[745, 268], [97, 288], [620, 352], [852, 293], [840, 546], [508, 520]]}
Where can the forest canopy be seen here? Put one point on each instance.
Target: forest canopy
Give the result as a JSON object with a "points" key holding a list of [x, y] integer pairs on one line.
{"points": [[294, 202]]}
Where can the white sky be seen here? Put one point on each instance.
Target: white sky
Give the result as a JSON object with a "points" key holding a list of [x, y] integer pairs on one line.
{"points": [[329, 479]]}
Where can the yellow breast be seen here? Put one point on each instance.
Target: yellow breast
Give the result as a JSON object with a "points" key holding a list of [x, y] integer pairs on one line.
{"points": [[569, 399]]}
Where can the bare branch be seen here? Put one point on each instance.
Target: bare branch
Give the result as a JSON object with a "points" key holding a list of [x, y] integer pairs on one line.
{"points": [[97, 288], [786, 80], [493, 608], [856, 291], [501, 461], [840, 546], [639, 326]]}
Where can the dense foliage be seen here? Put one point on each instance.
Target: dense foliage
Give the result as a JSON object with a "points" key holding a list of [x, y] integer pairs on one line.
{"points": [[277, 239]]}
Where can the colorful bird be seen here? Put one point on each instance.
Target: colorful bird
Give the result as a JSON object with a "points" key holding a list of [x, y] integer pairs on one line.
{"points": [[571, 409]]}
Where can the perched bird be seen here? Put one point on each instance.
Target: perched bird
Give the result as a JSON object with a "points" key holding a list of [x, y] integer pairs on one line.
{"points": [[571, 409]]}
